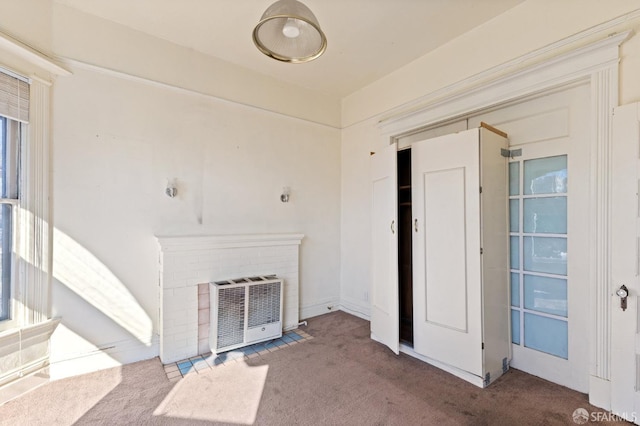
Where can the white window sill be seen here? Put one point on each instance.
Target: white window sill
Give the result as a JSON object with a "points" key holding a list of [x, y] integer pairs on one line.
{"points": [[25, 350]]}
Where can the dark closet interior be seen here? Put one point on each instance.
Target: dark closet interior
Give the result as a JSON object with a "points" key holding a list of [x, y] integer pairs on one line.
{"points": [[404, 246]]}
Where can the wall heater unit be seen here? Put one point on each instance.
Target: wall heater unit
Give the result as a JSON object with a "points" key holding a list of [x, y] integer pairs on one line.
{"points": [[245, 311]]}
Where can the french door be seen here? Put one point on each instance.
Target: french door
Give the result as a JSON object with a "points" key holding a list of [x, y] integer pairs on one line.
{"points": [[549, 233]]}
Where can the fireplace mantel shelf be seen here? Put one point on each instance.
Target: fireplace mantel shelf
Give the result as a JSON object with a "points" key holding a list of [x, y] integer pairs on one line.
{"points": [[191, 242]]}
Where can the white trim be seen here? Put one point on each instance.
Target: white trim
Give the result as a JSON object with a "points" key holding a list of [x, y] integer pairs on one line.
{"points": [[14, 74], [355, 309], [604, 97], [600, 392], [469, 98], [596, 63], [179, 89], [486, 77], [317, 309], [34, 230], [464, 375], [30, 55], [108, 355], [18, 341], [200, 242]]}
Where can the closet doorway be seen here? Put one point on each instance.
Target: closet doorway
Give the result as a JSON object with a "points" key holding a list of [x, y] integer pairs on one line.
{"points": [[405, 253], [549, 231]]}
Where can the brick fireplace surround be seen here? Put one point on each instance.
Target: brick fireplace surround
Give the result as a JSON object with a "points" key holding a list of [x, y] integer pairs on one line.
{"points": [[188, 262]]}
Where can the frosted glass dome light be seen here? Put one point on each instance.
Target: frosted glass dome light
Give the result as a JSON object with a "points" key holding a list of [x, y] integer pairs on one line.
{"points": [[289, 32]]}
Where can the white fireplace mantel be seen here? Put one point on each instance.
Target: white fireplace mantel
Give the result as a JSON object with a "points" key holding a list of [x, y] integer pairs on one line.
{"points": [[185, 261], [191, 242]]}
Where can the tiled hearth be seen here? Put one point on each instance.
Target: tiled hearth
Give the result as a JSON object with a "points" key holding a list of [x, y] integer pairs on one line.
{"points": [[205, 362]]}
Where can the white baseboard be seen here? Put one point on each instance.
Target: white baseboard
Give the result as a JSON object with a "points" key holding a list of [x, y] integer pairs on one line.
{"points": [[355, 309], [117, 354], [319, 308], [464, 375], [331, 305], [600, 392]]}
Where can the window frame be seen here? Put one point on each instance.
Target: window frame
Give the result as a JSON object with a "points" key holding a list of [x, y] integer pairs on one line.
{"points": [[14, 132]]}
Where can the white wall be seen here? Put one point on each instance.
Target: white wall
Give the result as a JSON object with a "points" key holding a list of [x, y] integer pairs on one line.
{"points": [[231, 138], [87, 38], [116, 142], [527, 27]]}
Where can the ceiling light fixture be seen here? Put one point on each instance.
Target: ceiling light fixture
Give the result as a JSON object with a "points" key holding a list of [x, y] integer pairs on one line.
{"points": [[289, 32]]}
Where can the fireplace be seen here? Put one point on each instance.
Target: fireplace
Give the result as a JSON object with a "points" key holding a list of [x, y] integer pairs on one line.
{"points": [[188, 263]]}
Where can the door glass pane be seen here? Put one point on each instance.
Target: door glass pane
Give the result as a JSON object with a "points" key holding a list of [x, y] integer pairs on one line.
{"points": [[515, 289], [545, 254], [545, 294], [515, 326], [514, 215], [541, 205], [515, 253], [514, 178], [545, 215], [546, 334], [545, 175]]}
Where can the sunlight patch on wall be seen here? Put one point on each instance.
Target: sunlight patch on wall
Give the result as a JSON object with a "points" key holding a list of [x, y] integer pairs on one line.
{"points": [[83, 273]]}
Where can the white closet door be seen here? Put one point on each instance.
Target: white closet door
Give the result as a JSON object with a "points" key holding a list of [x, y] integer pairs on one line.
{"points": [[385, 322], [446, 250]]}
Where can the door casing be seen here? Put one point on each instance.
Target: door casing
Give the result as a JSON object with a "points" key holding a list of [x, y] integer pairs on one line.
{"points": [[595, 63]]}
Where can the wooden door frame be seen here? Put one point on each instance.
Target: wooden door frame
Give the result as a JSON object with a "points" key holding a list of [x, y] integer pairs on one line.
{"points": [[595, 64]]}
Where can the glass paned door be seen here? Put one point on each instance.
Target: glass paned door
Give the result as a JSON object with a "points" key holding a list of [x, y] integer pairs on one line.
{"points": [[538, 229], [552, 233]]}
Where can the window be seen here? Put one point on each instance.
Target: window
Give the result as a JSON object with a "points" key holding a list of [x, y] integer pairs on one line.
{"points": [[12, 100], [25, 231], [10, 131]]}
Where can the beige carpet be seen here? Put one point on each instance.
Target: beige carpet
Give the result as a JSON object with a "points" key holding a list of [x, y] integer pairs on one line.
{"points": [[340, 377]]}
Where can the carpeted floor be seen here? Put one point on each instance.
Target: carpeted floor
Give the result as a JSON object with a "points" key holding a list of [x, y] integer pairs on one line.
{"points": [[340, 377]]}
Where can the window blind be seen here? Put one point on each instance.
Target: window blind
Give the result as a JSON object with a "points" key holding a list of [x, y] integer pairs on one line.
{"points": [[14, 98]]}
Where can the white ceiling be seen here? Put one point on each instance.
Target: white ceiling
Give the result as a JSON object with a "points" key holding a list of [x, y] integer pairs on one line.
{"points": [[367, 39]]}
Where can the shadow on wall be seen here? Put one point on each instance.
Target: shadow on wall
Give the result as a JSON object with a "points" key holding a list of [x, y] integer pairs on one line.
{"points": [[91, 299]]}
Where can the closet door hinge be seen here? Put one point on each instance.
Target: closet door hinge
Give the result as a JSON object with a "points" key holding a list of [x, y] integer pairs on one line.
{"points": [[513, 153], [481, 190], [482, 345], [481, 250]]}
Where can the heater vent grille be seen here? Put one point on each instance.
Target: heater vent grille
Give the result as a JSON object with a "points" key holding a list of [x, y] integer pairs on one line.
{"points": [[230, 316], [264, 304], [245, 311]]}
